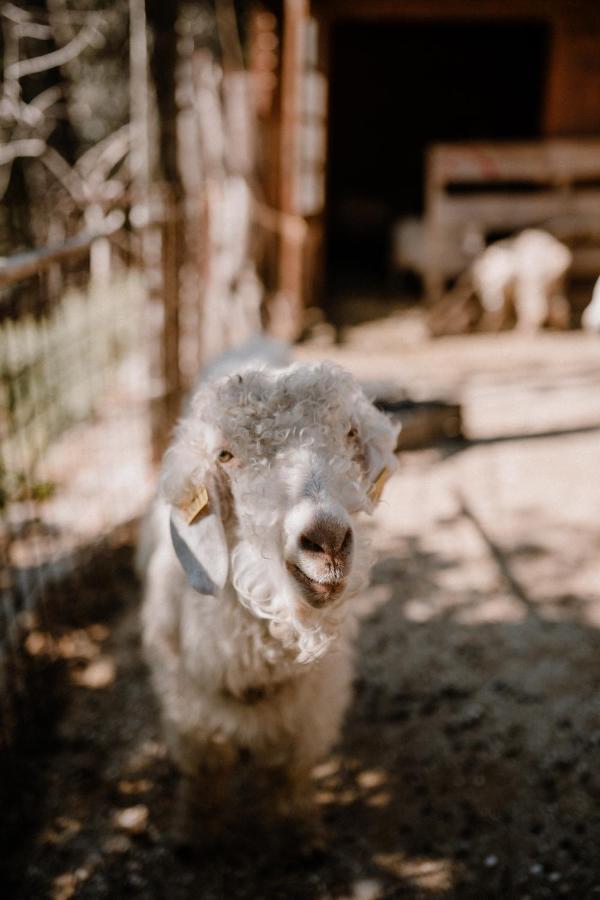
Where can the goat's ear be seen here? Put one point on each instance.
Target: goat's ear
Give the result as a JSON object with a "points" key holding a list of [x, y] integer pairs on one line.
{"points": [[199, 540], [379, 437], [189, 487]]}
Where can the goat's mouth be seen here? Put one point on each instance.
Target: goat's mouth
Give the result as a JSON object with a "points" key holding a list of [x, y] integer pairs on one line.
{"points": [[316, 593]]}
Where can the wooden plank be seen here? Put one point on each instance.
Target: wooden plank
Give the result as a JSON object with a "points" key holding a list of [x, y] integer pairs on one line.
{"points": [[555, 162], [517, 210], [573, 91], [291, 244], [424, 422], [558, 169], [23, 265], [586, 261], [424, 10]]}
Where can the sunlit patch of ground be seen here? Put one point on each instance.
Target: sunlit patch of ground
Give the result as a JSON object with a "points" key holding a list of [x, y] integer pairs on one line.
{"points": [[469, 762]]}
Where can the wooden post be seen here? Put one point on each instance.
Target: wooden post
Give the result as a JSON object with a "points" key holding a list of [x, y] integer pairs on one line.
{"points": [[163, 240], [291, 246], [172, 240], [433, 278], [23, 265]]}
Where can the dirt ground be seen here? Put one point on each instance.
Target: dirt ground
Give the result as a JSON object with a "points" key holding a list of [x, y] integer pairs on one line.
{"points": [[470, 761]]}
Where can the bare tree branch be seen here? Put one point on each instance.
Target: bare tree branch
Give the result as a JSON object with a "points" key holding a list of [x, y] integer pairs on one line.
{"points": [[11, 87], [15, 14], [32, 114], [26, 127], [45, 99], [139, 103], [15, 268], [87, 36], [68, 177], [105, 154], [23, 147], [34, 30], [36, 110], [229, 35]]}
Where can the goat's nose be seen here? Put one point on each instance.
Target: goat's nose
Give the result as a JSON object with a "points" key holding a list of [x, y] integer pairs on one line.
{"points": [[327, 537]]}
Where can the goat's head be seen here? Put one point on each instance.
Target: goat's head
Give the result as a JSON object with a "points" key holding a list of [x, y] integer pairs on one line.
{"points": [[266, 476]]}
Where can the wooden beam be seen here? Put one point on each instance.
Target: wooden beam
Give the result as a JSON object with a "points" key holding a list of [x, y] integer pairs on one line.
{"points": [[425, 10], [23, 265], [516, 210], [565, 179], [573, 103], [163, 246], [556, 162], [292, 239]]}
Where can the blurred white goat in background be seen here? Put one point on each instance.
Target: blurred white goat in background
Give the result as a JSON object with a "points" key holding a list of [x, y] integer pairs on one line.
{"points": [[527, 271], [591, 314]]}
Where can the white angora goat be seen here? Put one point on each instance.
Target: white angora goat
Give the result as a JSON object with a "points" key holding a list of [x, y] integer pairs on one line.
{"points": [[253, 556]]}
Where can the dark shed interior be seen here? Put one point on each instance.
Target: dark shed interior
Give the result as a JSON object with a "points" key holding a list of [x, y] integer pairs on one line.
{"points": [[396, 87]]}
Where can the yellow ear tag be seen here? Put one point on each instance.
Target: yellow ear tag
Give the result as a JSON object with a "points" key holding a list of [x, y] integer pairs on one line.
{"points": [[195, 504], [378, 485]]}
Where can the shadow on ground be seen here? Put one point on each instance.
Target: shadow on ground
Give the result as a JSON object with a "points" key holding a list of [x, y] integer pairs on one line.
{"points": [[469, 766]]}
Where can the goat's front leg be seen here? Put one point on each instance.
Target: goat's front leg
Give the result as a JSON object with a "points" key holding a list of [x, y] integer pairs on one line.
{"points": [[293, 799], [203, 800]]}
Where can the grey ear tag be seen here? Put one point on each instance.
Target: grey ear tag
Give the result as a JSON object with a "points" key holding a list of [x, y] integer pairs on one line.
{"points": [[199, 542]]}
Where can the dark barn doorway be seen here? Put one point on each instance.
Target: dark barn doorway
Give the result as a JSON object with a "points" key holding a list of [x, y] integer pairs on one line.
{"points": [[394, 89]]}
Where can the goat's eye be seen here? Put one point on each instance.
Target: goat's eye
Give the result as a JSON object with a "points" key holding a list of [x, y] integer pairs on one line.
{"points": [[352, 432], [224, 456]]}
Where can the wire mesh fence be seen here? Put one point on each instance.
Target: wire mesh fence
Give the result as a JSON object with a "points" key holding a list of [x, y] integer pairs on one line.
{"points": [[99, 337], [76, 452]]}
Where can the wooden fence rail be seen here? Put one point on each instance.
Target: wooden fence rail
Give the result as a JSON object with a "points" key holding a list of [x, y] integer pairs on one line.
{"points": [[482, 189], [22, 265]]}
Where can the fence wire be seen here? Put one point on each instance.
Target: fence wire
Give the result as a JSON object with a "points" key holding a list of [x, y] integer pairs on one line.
{"points": [[92, 361], [75, 451]]}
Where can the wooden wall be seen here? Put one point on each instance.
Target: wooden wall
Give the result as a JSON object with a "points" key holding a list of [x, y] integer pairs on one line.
{"points": [[571, 106], [573, 100], [573, 93]]}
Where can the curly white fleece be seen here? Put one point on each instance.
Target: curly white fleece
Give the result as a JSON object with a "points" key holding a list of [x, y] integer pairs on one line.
{"points": [[300, 438]]}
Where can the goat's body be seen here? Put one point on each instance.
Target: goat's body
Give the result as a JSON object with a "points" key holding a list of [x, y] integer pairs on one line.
{"points": [[249, 608], [223, 678], [527, 271]]}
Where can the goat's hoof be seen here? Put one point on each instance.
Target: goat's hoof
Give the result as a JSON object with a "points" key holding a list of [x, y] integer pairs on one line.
{"points": [[316, 845], [185, 852], [309, 837], [195, 849], [191, 842], [182, 842]]}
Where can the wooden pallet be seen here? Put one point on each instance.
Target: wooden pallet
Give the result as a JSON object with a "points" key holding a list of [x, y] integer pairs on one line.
{"points": [[424, 423], [505, 187]]}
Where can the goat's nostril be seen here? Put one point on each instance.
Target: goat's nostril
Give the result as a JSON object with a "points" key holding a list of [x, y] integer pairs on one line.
{"points": [[309, 545], [326, 540]]}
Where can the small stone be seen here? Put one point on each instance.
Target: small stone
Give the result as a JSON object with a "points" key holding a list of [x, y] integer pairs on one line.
{"points": [[139, 786], [536, 869], [367, 889], [371, 778], [133, 819], [491, 861], [98, 674], [554, 876], [118, 843]]}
